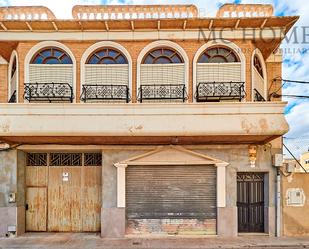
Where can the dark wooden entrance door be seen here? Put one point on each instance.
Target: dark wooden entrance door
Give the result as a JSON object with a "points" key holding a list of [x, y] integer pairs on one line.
{"points": [[250, 202]]}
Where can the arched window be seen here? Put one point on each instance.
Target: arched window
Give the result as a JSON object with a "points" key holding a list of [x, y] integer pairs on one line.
{"points": [[218, 54], [163, 56], [51, 55], [258, 65], [107, 56]]}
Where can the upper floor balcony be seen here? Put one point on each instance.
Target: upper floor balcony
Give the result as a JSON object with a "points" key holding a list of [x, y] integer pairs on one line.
{"points": [[156, 123], [162, 75]]}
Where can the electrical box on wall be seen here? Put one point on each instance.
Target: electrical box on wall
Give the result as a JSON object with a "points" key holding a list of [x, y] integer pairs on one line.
{"points": [[12, 197], [277, 160]]}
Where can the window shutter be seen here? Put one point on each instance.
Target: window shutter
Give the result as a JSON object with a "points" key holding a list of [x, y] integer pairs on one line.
{"points": [[162, 74], [107, 74], [51, 74], [219, 72]]}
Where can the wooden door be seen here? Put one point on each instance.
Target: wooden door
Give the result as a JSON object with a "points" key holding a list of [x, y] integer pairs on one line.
{"points": [[36, 209], [36, 192], [64, 199], [250, 202], [64, 192], [91, 198]]}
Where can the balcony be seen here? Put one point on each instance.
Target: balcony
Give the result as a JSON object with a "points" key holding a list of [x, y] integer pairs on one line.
{"points": [[105, 92], [48, 92], [163, 92], [220, 91], [149, 123]]}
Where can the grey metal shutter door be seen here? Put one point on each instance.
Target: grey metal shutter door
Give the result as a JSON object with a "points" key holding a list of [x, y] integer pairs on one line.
{"points": [[171, 192]]}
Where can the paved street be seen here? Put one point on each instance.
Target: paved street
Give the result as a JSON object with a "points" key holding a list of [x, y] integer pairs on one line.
{"points": [[89, 241]]}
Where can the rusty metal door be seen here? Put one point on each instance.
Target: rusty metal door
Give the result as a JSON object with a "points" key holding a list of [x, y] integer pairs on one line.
{"points": [[183, 195], [250, 202], [71, 198]]}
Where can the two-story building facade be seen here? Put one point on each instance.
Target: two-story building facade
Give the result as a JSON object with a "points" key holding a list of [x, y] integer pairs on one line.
{"points": [[140, 120]]}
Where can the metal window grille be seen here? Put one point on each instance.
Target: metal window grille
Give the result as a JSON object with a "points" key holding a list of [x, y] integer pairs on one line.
{"points": [[48, 92], [65, 159], [36, 159], [93, 159], [217, 91], [105, 92]]}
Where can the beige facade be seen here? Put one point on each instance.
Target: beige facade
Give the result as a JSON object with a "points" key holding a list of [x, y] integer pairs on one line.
{"points": [[152, 100]]}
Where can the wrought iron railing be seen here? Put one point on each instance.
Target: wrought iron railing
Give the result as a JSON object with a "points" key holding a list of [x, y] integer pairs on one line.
{"points": [[105, 92], [257, 96], [162, 92], [217, 91], [13, 97], [48, 92]]}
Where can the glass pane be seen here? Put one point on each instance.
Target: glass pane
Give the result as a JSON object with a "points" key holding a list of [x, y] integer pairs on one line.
{"points": [[57, 53], [101, 53], [112, 53], [163, 60], [38, 59], [168, 52], [46, 53], [204, 59], [218, 59], [93, 60], [66, 60], [108, 61], [121, 60], [148, 60], [52, 60], [176, 59]]}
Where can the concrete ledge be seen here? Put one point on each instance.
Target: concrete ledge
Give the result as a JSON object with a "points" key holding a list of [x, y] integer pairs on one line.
{"points": [[137, 120]]}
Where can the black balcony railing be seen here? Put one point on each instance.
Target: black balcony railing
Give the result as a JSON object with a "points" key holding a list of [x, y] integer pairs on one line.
{"points": [[48, 92], [162, 92], [217, 91], [257, 96], [105, 92], [13, 97]]}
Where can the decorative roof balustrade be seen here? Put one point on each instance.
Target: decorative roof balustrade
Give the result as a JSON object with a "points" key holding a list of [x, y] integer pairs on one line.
{"points": [[245, 10], [26, 13], [127, 12]]}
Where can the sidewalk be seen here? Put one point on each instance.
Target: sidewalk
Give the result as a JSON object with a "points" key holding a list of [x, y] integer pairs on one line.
{"points": [[92, 241]]}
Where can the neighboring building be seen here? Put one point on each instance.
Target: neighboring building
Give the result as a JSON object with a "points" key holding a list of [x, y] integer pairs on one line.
{"points": [[304, 160], [140, 120]]}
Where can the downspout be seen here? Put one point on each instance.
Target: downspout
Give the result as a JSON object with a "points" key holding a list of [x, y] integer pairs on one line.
{"points": [[278, 204]]}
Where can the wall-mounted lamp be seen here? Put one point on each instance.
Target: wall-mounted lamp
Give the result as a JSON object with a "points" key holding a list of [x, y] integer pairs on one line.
{"points": [[252, 155]]}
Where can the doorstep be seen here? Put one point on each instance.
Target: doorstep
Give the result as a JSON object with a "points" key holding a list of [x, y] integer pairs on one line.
{"points": [[254, 234]]}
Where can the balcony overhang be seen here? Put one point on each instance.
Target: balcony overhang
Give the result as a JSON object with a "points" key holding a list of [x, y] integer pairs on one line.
{"points": [[206, 123]]}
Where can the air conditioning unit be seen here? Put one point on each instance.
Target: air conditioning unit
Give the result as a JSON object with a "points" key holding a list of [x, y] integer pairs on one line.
{"points": [[277, 160]]}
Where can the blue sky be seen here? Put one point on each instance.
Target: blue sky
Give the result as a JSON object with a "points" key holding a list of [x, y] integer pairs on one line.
{"points": [[296, 58]]}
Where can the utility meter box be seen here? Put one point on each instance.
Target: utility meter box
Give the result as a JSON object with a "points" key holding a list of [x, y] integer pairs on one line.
{"points": [[277, 160]]}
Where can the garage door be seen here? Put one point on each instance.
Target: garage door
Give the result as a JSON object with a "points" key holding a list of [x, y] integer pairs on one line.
{"points": [[171, 199], [63, 192]]}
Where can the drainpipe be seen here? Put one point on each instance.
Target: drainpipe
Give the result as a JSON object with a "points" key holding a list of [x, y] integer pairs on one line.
{"points": [[278, 204]]}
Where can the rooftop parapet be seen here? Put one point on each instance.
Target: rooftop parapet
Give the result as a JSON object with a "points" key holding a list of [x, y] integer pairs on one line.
{"points": [[127, 12], [245, 10], [26, 13]]}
